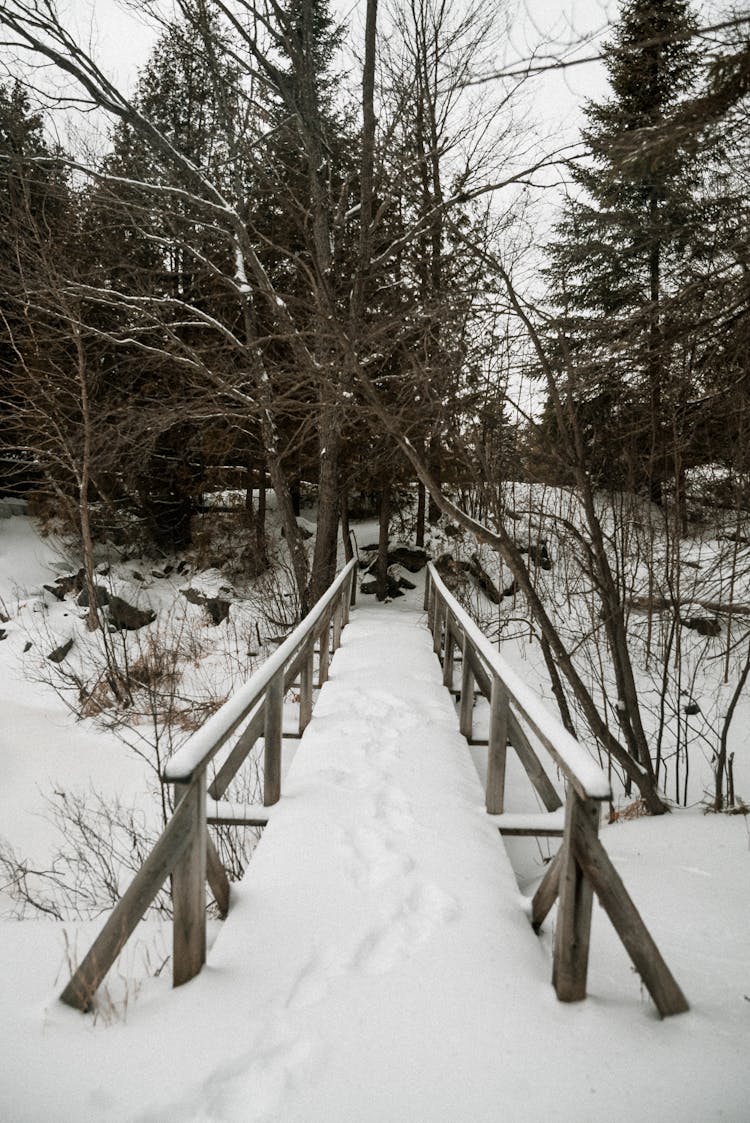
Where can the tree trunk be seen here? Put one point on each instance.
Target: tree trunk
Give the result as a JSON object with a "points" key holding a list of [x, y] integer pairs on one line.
{"points": [[326, 539], [420, 513]]}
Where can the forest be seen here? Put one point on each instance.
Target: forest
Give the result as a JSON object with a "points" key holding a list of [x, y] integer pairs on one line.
{"points": [[321, 265]]}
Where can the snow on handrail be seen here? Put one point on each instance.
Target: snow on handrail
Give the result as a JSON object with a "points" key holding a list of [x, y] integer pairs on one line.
{"points": [[203, 745], [572, 758]]}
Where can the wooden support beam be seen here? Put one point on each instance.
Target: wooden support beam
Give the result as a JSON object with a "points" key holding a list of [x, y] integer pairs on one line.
{"points": [[274, 708], [617, 903], [130, 908], [449, 651], [498, 740], [546, 893], [325, 651], [338, 625], [437, 629], [573, 929], [466, 712], [216, 875], [532, 764], [307, 673], [189, 887], [236, 758]]}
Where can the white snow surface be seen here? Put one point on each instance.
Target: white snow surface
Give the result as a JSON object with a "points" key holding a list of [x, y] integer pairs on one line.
{"points": [[377, 963]]}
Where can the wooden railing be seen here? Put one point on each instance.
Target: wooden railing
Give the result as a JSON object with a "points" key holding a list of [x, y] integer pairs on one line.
{"points": [[582, 866], [184, 850]]}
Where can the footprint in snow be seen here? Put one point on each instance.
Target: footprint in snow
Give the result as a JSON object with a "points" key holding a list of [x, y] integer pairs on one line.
{"points": [[404, 931], [375, 860]]}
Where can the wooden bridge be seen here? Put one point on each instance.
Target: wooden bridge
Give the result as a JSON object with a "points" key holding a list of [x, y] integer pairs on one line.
{"points": [[392, 849]]}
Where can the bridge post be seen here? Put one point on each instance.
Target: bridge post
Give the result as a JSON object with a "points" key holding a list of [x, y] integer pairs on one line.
{"points": [[437, 625], [466, 713], [306, 686], [325, 650], [573, 930], [189, 886], [426, 602], [497, 749], [338, 625], [450, 643], [274, 717]]}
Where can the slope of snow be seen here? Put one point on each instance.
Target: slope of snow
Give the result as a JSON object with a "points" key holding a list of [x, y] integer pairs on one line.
{"points": [[377, 963]]}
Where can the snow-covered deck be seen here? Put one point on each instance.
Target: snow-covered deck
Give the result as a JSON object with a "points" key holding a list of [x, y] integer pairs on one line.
{"points": [[377, 963]]}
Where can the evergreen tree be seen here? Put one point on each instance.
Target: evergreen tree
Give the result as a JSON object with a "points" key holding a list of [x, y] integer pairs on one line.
{"points": [[637, 217]]}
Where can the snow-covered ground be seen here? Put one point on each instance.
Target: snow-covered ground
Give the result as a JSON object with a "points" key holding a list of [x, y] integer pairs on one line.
{"points": [[378, 963]]}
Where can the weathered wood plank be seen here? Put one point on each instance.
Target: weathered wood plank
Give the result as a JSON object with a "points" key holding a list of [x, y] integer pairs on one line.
{"points": [[127, 913], [307, 673], [272, 737], [437, 625], [466, 711], [216, 875], [546, 893], [573, 930], [189, 888], [498, 740], [338, 624], [236, 758], [617, 903], [532, 764], [325, 651], [449, 652]]}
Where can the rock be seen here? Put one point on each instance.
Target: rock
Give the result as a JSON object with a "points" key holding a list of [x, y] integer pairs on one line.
{"points": [[453, 531], [483, 579], [538, 554], [512, 589], [126, 617], [101, 594], [392, 588], [216, 607], [404, 583], [27, 646], [3, 634], [138, 576], [70, 583], [60, 652], [412, 558], [703, 625]]}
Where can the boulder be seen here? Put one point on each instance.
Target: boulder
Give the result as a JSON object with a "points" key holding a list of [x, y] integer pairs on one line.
{"points": [[538, 554], [216, 607], [60, 652], [392, 587], [101, 594], [703, 625], [412, 558], [126, 617]]}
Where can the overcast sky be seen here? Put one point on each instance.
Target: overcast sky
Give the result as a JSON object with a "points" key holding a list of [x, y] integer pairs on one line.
{"points": [[122, 42]]}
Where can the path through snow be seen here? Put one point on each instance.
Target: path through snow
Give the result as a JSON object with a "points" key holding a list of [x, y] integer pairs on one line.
{"points": [[377, 964]]}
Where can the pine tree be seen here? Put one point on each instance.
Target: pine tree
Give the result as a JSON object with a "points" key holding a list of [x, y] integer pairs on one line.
{"points": [[637, 216]]}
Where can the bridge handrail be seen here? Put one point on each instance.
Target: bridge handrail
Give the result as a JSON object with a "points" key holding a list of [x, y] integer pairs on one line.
{"points": [[582, 865], [184, 849], [584, 774], [202, 746]]}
